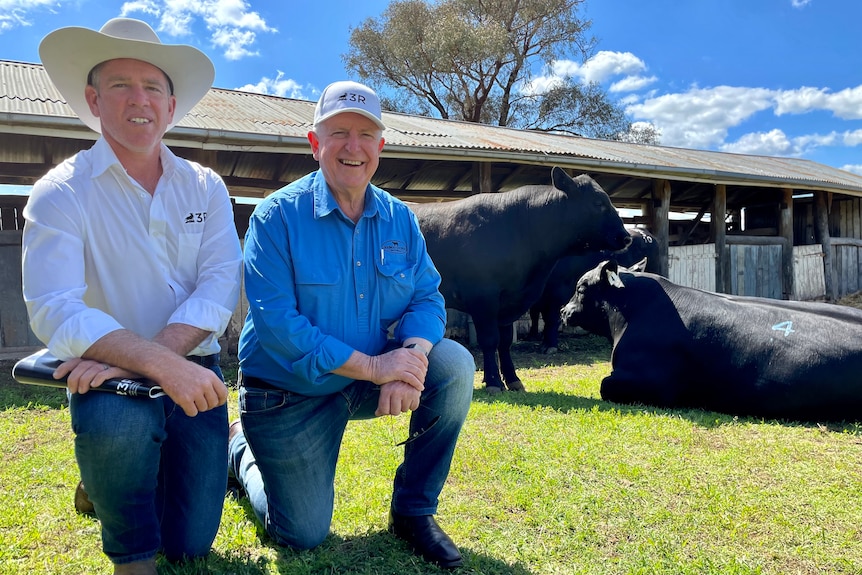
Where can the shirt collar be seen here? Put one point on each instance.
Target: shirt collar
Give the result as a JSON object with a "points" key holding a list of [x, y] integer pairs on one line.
{"points": [[104, 157], [325, 204]]}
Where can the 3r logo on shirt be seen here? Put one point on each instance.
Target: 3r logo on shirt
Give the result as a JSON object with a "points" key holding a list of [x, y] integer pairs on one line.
{"points": [[196, 217]]}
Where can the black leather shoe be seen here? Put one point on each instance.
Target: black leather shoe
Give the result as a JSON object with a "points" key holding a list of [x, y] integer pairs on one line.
{"points": [[426, 538]]}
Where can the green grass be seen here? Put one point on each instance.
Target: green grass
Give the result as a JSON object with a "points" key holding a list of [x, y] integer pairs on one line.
{"points": [[552, 481]]}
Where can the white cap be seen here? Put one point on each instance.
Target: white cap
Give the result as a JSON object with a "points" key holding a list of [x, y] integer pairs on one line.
{"points": [[347, 96]]}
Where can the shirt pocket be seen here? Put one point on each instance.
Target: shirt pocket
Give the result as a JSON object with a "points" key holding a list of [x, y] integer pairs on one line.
{"points": [[188, 248], [319, 291], [395, 277]]}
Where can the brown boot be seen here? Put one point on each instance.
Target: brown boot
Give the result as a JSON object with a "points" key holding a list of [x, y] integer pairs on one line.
{"points": [[83, 504], [147, 567]]}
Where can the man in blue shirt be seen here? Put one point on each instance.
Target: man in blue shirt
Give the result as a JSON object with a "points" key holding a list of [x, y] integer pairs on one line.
{"points": [[333, 266]]}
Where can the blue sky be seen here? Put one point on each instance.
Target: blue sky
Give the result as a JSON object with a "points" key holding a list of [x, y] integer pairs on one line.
{"points": [[769, 77]]}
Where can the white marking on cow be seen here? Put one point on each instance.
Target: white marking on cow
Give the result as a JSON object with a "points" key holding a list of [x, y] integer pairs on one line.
{"points": [[785, 326], [614, 279]]}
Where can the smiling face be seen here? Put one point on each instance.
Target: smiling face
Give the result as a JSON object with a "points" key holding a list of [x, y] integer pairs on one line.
{"points": [[347, 146], [133, 102]]}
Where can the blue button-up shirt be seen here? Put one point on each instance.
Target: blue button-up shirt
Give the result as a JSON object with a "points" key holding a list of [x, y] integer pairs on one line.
{"points": [[320, 286]]}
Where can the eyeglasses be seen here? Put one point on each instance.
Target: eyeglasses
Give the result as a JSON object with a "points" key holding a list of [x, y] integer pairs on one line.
{"points": [[417, 434]]}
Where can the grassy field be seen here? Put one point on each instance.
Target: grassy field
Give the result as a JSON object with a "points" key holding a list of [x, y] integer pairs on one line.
{"points": [[552, 481]]}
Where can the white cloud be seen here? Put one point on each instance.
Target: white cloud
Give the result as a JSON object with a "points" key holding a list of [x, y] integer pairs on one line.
{"points": [[800, 3], [235, 42], [606, 64], [232, 26], [600, 68], [772, 143], [16, 13], [541, 84], [139, 6], [777, 143], [846, 104], [700, 118], [632, 84], [854, 168], [280, 86], [853, 138]]}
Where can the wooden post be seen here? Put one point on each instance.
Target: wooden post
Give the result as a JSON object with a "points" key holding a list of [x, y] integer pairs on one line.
{"points": [[660, 216], [482, 181], [718, 234], [821, 228], [785, 230]]}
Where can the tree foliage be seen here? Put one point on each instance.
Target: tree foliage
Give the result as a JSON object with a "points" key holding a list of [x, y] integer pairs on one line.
{"points": [[474, 60]]}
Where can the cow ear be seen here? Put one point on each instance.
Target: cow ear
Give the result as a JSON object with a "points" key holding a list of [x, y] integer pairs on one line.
{"points": [[609, 273], [560, 179], [638, 267]]}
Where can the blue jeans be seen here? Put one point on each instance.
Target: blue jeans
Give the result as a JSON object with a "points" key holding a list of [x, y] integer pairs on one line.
{"points": [[288, 470], [155, 476]]}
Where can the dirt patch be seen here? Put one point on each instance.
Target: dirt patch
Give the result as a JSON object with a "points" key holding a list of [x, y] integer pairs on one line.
{"points": [[852, 300]]}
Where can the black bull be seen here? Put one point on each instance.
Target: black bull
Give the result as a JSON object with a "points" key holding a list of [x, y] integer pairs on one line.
{"points": [[680, 347], [566, 273], [495, 253]]}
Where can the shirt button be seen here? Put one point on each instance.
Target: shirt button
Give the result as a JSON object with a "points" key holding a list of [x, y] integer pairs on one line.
{"points": [[358, 264], [362, 296], [402, 276]]}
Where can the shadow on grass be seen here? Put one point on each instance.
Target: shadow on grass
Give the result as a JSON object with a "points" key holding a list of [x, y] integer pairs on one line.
{"points": [[375, 552], [566, 403], [588, 349]]}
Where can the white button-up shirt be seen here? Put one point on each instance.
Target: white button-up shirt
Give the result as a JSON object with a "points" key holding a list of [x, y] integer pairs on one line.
{"points": [[101, 254]]}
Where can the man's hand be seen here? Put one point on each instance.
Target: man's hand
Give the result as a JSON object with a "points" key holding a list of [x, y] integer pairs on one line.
{"points": [[194, 388], [407, 366], [85, 374], [397, 397]]}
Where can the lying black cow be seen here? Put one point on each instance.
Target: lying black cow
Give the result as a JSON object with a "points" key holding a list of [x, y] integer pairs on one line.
{"points": [[682, 347], [566, 273], [496, 251]]}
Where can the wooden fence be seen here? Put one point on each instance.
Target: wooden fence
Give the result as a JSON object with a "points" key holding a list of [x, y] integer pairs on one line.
{"points": [[755, 270], [692, 266]]}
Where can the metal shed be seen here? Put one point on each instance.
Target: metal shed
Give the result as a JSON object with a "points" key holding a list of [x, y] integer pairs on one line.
{"points": [[755, 225]]}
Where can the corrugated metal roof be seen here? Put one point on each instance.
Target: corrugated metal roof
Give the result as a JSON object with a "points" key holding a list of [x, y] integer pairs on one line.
{"points": [[229, 119]]}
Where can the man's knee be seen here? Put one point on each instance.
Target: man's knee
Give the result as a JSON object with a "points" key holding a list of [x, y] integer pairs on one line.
{"points": [[303, 539], [455, 358]]}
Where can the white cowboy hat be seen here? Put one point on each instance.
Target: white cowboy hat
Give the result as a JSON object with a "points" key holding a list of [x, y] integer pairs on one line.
{"points": [[68, 55]]}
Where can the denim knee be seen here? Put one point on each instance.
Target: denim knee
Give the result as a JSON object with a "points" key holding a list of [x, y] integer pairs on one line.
{"points": [[308, 538]]}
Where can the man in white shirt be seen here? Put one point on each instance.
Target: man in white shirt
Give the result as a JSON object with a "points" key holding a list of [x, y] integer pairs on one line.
{"points": [[131, 267]]}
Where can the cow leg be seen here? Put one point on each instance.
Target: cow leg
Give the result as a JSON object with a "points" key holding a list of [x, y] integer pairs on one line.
{"points": [[551, 334], [507, 366], [534, 323], [488, 337]]}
